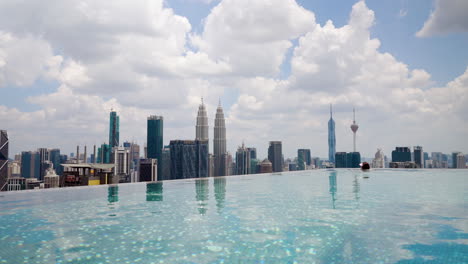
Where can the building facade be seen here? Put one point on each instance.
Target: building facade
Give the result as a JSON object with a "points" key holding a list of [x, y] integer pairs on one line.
{"points": [[30, 164], [401, 154], [304, 159], [418, 154], [265, 166], [114, 134], [331, 138], [242, 161], [201, 127], [379, 159], [189, 159], [4, 142], [219, 143], [347, 160], [154, 139], [148, 170], [461, 161], [275, 155], [122, 164]]}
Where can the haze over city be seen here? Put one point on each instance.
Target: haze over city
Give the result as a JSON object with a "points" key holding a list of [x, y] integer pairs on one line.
{"points": [[402, 65]]}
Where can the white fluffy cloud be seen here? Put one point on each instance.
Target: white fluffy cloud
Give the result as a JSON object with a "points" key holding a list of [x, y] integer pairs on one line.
{"points": [[22, 59], [253, 36], [449, 16]]}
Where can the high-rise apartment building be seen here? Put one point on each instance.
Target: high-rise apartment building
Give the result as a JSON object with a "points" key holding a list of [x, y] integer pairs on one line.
{"points": [[455, 159], [379, 159], [154, 139], [401, 154], [30, 164], [104, 154], [461, 161], [242, 161], [303, 159], [114, 133], [340, 160], [166, 165], [219, 142], [331, 138], [189, 159], [122, 164], [347, 160], [418, 154], [54, 157], [275, 155], [3, 159]]}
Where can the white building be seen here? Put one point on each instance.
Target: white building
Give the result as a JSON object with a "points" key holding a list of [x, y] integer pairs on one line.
{"points": [[122, 163], [379, 160], [461, 161]]}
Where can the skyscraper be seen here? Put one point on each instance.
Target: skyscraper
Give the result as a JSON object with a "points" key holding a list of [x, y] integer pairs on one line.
{"points": [[340, 160], [219, 142], [202, 123], [275, 155], [122, 162], [113, 129], [54, 157], [44, 157], [189, 159], [30, 164], [154, 139], [3, 158], [242, 161], [401, 154], [455, 159], [379, 159], [331, 138], [418, 156], [104, 154], [354, 128], [303, 158], [461, 161]]}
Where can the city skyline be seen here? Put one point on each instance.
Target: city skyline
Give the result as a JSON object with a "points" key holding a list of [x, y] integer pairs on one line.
{"points": [[279, 89]]}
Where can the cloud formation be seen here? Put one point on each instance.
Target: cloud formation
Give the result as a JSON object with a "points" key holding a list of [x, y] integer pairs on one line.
{"points": [[448, 17]]}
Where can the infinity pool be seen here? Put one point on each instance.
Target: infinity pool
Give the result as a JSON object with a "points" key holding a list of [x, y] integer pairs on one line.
{"points": [[321, 216]]}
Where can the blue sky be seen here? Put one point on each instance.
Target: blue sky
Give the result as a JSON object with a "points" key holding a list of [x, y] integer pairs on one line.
{"points": [[261, 58]]}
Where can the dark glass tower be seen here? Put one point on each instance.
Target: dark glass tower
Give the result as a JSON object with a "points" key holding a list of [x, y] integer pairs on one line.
{"points": [[419, 156], [189, 159], [114, 129], [401, 154], [303, 158], [154, 139], [3, 159], [275, 156], [54, 157], [331, 138]]}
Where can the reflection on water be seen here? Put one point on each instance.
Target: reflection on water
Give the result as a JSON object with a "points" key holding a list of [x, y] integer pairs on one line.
{"points": [[202, 191], [440, 253], [356, 189], [154, 191], [113, 194], [333, 187], [220, 192]]}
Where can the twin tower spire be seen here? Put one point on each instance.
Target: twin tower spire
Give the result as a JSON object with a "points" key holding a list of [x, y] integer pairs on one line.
{"points": [[219, 140]]}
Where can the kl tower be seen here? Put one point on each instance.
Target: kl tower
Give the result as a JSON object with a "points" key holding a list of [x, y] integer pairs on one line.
{"points": [[354, 128]]}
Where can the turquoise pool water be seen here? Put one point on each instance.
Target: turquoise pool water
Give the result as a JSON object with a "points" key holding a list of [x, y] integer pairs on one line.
{"points": [[322, 216]]}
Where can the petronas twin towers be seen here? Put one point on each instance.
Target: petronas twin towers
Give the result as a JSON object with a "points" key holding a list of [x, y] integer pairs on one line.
{"points": [[219, 141]]}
